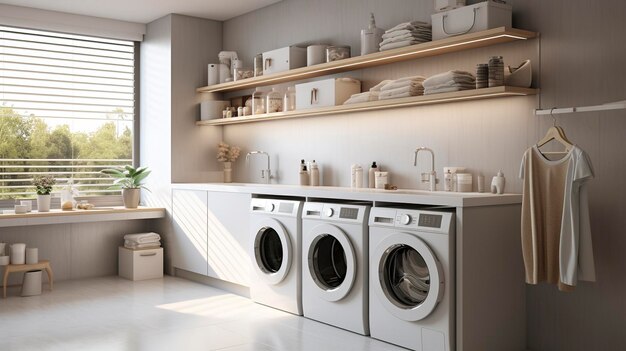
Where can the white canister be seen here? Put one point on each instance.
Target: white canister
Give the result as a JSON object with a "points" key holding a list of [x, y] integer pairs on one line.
{"points": [[464, 182], [224, 72], [18, 253], [28, 204], [452, 171], [4, 260], [213, 74], [381, 179], [32, 255], [315, 54]]}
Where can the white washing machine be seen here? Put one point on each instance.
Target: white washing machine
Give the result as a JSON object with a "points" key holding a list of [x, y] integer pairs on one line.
{"points": [[412, 298], [275, 250], [335, 264]]}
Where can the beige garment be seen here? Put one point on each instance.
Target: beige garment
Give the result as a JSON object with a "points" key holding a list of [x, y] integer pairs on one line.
{"points": [[542, 210]]}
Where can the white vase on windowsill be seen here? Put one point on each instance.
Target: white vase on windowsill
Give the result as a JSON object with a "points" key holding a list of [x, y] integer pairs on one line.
{"points": [[43, 203]]}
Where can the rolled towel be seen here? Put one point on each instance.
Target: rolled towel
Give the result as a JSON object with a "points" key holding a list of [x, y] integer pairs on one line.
{"points": [[443, 78], [142, 238]]}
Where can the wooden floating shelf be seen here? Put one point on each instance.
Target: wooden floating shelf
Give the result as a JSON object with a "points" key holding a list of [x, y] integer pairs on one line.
{"points": [[464, 95], [432, 48]]}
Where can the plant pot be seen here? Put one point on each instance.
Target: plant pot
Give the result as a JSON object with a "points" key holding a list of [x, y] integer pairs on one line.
{"points": [[43, 203], [228, 172], [131, 197]]}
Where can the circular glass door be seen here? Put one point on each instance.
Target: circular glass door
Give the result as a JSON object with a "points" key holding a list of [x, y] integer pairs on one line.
{"points": [[271, 251], [331, 261], [410, 277]]}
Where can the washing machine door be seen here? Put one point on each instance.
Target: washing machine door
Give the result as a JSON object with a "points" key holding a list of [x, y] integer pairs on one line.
{"points": [[331, 262], [272, 251], [410, 278]]}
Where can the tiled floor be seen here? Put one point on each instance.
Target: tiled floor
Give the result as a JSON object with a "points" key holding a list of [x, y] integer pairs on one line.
{"points": [[170, 314]]}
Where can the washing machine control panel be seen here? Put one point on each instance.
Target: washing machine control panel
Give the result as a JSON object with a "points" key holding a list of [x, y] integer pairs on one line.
{"points": [[335, 212], [290, 208], [432, 221]]}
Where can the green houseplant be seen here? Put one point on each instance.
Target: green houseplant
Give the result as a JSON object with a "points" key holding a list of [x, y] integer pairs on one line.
{"points": [[129, 179], [43, 185]]}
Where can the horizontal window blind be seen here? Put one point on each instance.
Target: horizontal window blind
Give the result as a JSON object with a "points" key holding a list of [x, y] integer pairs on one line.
{"points": [[67, 106]]}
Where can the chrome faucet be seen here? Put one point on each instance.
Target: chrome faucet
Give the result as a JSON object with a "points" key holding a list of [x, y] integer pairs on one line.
{"points": [[265, 173], [428, 177]]}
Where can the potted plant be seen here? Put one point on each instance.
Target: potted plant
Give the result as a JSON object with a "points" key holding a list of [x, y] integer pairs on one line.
{"points": [[43, 186], [227, 154], [129, 179]]}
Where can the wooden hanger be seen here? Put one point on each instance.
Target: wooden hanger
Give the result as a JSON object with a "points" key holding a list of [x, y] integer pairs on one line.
{"points": [[555, 133]]}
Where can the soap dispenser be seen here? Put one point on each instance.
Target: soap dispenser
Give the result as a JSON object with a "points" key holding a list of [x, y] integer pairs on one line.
{"points": [[304, 176], [371, 37], [314, 174], [372, 175], [497, 183]]}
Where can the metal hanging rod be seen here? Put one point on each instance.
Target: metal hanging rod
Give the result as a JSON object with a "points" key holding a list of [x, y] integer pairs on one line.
{"points": [[618, 105]]}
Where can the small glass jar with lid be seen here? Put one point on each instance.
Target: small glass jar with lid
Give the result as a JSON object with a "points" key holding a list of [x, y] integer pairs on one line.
{"points": [[289, 100], [258, 65], [338, 52], [258, 101], [274, 101]]}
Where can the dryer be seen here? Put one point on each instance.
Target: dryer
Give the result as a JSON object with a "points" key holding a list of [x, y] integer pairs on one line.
{"points": [[335, 264], [275, 250], [412, 292]]}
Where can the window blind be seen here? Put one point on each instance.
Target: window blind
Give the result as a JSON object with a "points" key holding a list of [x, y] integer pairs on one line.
{"points": [[73, 93]]}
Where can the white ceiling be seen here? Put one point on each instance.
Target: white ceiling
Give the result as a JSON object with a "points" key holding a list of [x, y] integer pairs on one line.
{"points": [[145, 11]]}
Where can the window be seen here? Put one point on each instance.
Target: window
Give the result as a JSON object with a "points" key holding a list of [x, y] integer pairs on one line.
{"points": [[67, 108]]}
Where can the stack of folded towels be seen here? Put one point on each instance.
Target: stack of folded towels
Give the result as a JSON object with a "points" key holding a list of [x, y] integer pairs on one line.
{"points": [[142, 240], [371, 95], [449, 81], [403, 87], [405, 34]]}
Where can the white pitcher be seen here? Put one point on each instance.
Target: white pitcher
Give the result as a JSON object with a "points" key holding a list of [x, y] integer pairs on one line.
{"points": [[18, 253]]}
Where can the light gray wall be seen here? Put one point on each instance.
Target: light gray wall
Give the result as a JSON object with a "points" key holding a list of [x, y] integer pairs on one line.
{"points": [[582, 55], [174, 57]]}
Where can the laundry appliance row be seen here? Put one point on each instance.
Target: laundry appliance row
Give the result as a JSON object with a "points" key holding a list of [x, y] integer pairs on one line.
{"points": [[387, 272]]}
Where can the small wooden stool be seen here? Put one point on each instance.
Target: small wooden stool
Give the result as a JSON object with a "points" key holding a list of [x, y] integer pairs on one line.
{"points": [[42, 265]]}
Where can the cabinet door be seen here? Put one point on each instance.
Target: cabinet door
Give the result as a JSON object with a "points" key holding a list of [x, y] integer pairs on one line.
{"points": [[189, 210], [228, 237]]}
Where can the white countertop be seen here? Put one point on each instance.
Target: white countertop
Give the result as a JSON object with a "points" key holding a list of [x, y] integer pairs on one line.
{"points": [[438, 198], [98, 214]]}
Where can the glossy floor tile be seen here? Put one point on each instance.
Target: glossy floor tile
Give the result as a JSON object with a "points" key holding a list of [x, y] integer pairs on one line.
{"points": [[163, 314]]}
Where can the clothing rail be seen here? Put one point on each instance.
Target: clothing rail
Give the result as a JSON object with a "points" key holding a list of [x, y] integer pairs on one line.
{"points": [[618, 105]]}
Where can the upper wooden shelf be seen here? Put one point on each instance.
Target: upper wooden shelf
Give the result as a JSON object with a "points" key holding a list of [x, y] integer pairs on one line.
{"points": [[464, 95], [432, 48]]}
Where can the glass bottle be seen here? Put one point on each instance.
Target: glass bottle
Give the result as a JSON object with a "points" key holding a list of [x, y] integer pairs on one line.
{"points": [[289, 101], [274, 101], [258, 101], [258, 65]]}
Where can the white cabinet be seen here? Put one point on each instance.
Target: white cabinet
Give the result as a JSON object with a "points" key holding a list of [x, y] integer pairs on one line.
{"points": [[228, 237], [190, 220], [211, 234], [327, 92]]}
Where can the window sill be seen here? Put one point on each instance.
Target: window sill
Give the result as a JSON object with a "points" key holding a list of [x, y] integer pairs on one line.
{"points": [[102, 214]]}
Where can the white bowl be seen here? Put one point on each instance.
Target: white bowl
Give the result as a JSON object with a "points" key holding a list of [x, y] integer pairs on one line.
{"points": [[521, 76]]}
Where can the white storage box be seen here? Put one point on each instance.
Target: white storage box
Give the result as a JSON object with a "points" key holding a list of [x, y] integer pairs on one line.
{"points": [[327, 92], [212, 109], [283, 59], [472, 18], [140, 264]]}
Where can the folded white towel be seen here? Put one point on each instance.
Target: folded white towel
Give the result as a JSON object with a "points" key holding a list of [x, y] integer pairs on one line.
{"points": [[443, 78], [401, 44], [378, 86], [409, 25], [362, 97], [400, 92], [142, 238], [452, 83], [415, 81], [415, 32], [133, 245], [398, 38]]}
